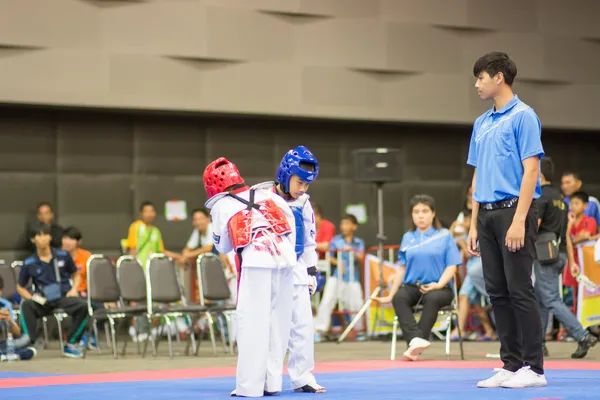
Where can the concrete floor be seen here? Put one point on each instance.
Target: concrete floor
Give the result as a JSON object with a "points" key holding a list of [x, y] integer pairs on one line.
{"points": [[49, 360]]}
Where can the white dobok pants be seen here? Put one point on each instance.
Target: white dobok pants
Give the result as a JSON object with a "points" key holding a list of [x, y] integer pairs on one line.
{"points": [[350, 293], [301, 360], [263, 322]]}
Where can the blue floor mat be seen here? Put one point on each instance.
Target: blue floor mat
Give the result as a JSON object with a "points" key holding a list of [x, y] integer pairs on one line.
{"points": [[394, 384]]}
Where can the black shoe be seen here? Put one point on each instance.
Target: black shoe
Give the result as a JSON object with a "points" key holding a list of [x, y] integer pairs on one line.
{"points": [[584, 345], [545, 350]]}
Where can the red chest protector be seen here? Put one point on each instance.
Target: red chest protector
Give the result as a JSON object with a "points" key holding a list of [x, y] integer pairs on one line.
{"points": [[240, 225]]}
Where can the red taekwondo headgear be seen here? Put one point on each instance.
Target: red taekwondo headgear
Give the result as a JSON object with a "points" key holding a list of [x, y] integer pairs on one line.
{"points": [[219, 175]]}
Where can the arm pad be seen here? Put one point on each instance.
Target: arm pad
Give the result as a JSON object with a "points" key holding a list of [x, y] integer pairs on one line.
{"points": [[312, 271]]}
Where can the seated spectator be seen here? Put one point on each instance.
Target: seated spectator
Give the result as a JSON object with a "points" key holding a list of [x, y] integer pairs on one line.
{"points": [[145, 239], [472, 292], [428, 260], [71, 243], [572, 183], [200, 240], [21, 342], [50, 271], [342, 286], [44, 215]]}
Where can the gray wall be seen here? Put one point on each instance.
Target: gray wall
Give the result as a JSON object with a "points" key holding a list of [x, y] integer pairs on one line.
{"points": [[96, 167], [395, 60]]}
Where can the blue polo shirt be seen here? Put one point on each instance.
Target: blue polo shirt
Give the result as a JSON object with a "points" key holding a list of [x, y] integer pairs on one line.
{"points": [[592, 210], [338, 243], [42, 273], [427, 254], [500, 141]]}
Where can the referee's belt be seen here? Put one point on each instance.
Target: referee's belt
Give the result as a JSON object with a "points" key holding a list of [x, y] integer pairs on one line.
{"points": [[508, 203]]}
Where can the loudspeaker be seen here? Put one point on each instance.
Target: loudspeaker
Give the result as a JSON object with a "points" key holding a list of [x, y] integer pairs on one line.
{"points": [[377, 165]]}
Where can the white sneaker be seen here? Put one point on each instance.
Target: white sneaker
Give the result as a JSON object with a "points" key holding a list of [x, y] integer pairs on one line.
{"points": [[415, 348], [525, 378], [501, 376]]}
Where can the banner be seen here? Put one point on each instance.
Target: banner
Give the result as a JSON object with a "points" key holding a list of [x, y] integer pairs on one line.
{"points": [[385, 322], [588, 301]]}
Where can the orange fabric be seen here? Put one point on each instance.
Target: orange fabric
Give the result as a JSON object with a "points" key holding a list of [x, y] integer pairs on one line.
{"points": [[81, 258]]}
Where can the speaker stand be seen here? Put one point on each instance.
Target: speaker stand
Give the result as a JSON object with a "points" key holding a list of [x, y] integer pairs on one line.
{"points": [[382, 284]]}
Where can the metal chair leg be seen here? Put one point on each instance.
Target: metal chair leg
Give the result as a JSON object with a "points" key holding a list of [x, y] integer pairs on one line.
{"points": [[113, 337], [60, 334], [169, 340], [212, 333], [460, 338], [448, 331], [95, 327], [230, 332], [107, 333], [45, 327], [394, 338], [192, 337], [222, 329]]}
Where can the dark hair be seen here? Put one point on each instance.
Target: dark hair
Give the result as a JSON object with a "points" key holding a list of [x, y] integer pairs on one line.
{"points": [[202, 211], [547, 168], [317, 209], [573, 174], [581, 195], [42, 204], [146, 204], [351, 218], [39, 229], [496, 62], [428, 201], [1, 282], [72, 233]]}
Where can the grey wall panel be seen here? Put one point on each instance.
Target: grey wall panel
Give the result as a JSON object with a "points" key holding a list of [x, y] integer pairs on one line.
{"points": [[328, 194], [159, 190], [251, 148], [21, 192], [98, 205], [169, 148], [131, 158], [27, 145], [95, 145], [441, 159]]}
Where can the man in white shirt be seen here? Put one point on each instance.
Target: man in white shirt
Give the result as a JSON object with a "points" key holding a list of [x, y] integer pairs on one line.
{"points": [[200, 240]]}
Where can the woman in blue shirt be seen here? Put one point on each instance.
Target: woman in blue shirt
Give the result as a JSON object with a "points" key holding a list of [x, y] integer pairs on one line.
{"points": [[428, 259]]}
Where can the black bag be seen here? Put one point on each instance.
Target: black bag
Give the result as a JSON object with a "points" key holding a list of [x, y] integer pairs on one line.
{"points": [[547, 247]]}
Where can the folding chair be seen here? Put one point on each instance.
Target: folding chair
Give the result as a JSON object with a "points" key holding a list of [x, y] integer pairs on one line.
{"points": [[103, 286], [164, 288], [132, 284], [213, 286], [450, 312]]}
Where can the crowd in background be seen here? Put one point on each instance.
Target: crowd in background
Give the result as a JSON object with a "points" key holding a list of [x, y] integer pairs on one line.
{"points": [[47, 241]]}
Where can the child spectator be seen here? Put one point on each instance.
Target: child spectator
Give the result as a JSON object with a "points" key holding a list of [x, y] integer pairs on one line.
{"points": [[342, 285]]}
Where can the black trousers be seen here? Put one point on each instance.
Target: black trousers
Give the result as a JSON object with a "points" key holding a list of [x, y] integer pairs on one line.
{"points": [[508, 283], [407, 297], [75, 307]]}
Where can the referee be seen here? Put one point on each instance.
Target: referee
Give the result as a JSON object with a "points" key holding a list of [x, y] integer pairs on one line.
{"points": [[505, 150]]}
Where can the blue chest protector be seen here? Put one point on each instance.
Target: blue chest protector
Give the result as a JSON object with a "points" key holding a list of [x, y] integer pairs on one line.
{"points": [[299, 218]]}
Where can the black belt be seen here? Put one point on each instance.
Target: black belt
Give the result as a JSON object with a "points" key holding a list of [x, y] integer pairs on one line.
{"points": [[508, 203]]}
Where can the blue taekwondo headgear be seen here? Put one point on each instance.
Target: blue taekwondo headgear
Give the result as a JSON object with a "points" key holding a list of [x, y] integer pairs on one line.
{"points": [[290, 166]]}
